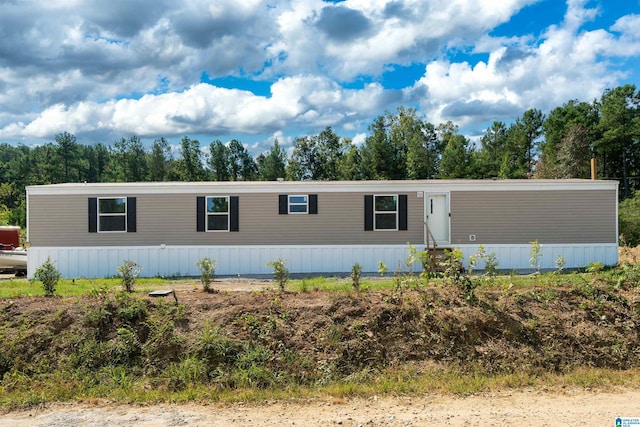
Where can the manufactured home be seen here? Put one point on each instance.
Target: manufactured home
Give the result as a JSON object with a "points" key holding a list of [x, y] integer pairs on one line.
{"points": [[89, 230]]}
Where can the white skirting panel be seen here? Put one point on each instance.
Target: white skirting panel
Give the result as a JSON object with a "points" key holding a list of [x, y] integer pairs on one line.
{"points": [[168, 261], [518, 257]]}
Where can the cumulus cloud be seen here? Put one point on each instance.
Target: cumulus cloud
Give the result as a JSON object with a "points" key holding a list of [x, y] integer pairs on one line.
{"points": [[206, 109], [135, 67], [521, 73], [343, 24]]}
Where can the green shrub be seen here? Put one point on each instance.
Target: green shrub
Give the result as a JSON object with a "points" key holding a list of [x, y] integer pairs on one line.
{"points": [[490, 262], [207, 269], [455, 274], [629, 221], [536, 254], [129, 271], [280, 273], [356, 272], [49, 276], [560, 263], [382, 268], [595, 267], [453, 270]]}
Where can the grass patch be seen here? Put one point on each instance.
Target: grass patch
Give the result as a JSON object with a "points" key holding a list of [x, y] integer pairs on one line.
{"points": [[19, 287], [338, 284], [402, 381]]}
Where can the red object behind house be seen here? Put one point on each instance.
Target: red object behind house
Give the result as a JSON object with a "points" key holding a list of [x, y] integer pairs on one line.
{"points": [[9, 237]]}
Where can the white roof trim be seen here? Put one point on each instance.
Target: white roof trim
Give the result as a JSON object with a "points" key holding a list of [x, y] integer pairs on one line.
{"points": [[295, 187]]}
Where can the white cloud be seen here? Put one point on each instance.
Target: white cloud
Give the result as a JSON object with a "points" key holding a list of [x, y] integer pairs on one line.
{"points": [[359, 139], [567, 63], [628, 28], [307, 100], [399, 32], [116, 71]]}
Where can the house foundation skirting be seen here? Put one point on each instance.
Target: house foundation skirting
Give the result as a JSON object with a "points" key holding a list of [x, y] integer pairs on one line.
{"points": [[170, 261]]}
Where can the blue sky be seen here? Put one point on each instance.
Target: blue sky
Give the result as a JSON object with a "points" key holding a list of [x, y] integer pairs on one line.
{"points": [[260, 70]]}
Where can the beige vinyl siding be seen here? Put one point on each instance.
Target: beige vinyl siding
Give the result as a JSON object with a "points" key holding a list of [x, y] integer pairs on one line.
{"points": [[517, 217], [171, 219]]}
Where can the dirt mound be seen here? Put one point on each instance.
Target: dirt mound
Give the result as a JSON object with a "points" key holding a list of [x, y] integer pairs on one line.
{"points": [[630, 255], [321, 336]]}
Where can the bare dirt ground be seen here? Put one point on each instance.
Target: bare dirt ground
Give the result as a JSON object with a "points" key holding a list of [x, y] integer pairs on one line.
{"points": [[529, 407]]}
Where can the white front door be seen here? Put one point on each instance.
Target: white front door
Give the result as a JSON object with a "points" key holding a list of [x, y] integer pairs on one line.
{"points": [[437, 216]]}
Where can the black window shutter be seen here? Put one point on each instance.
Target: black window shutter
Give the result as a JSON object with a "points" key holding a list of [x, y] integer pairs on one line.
{"points": [[200, 213], [313, 204], [93, 214], [368, 212], [402, 212], [283, 204], [131, 214], [234, 211]]}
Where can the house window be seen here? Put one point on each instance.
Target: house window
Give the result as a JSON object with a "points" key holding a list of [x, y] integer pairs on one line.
{"points": [[385, 212], [217, 213], [298, 204], [112, 214]]}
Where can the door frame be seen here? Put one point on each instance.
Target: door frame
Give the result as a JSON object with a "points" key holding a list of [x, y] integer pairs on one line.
{"points": [[447, 201]]}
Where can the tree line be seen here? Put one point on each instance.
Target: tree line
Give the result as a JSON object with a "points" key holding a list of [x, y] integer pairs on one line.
{"points": [[400, 145]]}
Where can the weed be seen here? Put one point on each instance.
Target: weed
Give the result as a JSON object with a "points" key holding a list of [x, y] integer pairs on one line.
{"points": [[334, 334], [250, 370], [280, 273], [129, 272], [595, 267], [130, 309], [313, 283], [163, 345], [207, 269], [179, 313], [546, 295], [126, 349], [406, 278], [254, 376], [49, 276], [190, 370], [278, 309], [214, 348], [626, 276], [99, 317], [98, 292], [118, 377]]}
